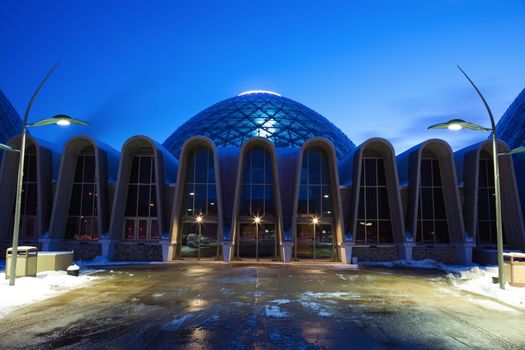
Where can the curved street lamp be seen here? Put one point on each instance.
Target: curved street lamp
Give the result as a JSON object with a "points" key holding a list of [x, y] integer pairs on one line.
{"points": [[62, 120], [458, 124]]}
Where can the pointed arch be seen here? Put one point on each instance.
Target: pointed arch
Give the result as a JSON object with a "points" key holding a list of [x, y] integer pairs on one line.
{"points": [[469, 160], [377, 149], [163, 171], [177, 215], [440, 151], [8, 179], [90, 153], [327, 147], [248, 146]]}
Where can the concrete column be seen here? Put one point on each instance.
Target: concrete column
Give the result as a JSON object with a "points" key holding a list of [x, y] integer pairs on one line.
{"points": [[345, 252], [226, 250], [287, 250], [108, 247], [405, 251], [168, 250]]}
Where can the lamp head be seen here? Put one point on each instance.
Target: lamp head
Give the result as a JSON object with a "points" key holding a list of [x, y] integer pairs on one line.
{"points": [[315, 221], [199, 218], [257, 219], [458, 124]]}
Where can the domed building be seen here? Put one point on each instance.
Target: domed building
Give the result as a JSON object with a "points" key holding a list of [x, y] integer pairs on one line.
{"points": [[10, 123], [260, 177], [282, 121], [511, 129]]}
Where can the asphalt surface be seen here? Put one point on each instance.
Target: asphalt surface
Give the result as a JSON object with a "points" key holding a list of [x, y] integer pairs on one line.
{"points": [[246, 306]]}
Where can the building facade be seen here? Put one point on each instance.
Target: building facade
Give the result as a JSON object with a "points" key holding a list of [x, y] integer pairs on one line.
{"points": [[260, 176]]}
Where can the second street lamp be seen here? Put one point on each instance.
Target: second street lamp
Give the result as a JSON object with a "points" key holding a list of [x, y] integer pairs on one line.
{"points": [[62, 120], [458, 124]]}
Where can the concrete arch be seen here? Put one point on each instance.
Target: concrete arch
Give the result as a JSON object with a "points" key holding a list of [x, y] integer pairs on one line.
{"points": [[249, 144], [129, 149], [8, 180], [176, 216], [387, 153], [442, 151], [327, 147], [72, 150], [468, 160]]}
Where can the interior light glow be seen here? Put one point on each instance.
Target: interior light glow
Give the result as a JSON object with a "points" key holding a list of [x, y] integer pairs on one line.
{"points": [[259, 92]]}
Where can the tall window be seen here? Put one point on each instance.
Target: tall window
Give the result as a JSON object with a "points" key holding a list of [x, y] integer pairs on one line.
{"points": [[256, 231], [82, 223], [28, 227], [486, 203], [314, 229], [432, 226], [200, 200], [141, 220], [373, 218]]}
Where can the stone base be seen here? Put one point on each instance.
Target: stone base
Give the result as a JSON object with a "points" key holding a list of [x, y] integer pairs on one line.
{"points": [[405, 251], [226, 250], [376, 253], [287, 251], [83, 250], [464, 254], [138, 252], [441, 253]]}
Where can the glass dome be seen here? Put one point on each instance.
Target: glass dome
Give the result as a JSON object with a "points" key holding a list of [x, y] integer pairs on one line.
{"points": [[284, 122], [10, 123]]}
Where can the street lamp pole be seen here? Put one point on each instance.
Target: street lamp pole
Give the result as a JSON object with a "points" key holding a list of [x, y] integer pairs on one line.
{"points": [[61, 120], [458, 124]]}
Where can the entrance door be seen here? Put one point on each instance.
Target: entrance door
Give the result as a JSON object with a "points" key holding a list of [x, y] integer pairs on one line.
{"points": [[315, 242], [256, 241], [199, 240]]}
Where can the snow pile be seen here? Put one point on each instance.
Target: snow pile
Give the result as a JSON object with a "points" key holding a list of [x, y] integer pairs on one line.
{"points": [[29, 290], [479, 280]]}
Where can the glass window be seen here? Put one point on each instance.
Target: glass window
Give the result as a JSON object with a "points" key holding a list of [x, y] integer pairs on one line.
{"points": [[200, 198], [141, 220], [432, 225], [373, 215], [486, 231], [83, 206], [315, 202]]}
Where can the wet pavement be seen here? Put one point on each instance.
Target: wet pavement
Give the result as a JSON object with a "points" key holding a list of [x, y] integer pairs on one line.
{"points": [[246, 306]]}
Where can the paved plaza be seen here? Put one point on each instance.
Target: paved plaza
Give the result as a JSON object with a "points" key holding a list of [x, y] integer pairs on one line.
{"points": [[194, 305]]}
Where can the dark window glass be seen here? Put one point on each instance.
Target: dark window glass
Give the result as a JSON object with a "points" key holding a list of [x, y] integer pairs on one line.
{"points": [[426, 172], [83, 201], [145, 170], [131, 201], [89, 169]]}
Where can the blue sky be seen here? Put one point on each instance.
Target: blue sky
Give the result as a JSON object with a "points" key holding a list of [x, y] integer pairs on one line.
{"points": [[374, 68]]}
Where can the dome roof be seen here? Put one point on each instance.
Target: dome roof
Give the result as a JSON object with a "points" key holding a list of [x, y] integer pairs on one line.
{"points": [[511, 127], [284, 122], [10, 123]]}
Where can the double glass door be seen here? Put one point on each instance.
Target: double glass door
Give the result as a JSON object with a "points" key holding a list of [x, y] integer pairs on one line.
{"points": [[256, 241], [200, 240], [315, 241]]}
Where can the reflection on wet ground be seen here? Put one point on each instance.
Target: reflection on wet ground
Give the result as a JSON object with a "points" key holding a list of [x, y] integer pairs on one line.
{"points": [[243, 306]]}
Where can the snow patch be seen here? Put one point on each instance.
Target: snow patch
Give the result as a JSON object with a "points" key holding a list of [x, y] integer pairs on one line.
{"points": [[45, 285], [275, 311], [281, 301], [158, 295]]}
